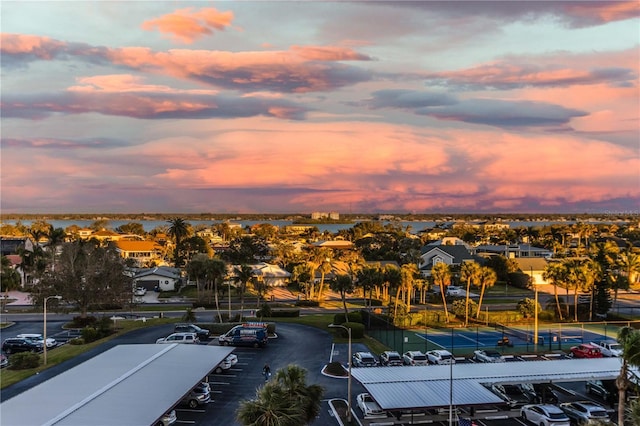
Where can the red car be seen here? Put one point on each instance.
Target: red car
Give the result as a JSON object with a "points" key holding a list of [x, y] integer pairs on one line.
{"points": [[585, 350]]}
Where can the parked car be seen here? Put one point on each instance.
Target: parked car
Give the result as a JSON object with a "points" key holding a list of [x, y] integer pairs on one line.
{"points": [[51, 342], [487, 355], [440, 356], [515, 395], [168, 418], [544, 415], [583, 412], [140, 291], [585, 350], [609, 347], [226, 363], [390, 358], [191, 338], [197, 396], [4, 361], [255, 335], [368, 406], [364, 359], [454, 290], [202, 333], [546, 392], [415, 358], [16, 344]]}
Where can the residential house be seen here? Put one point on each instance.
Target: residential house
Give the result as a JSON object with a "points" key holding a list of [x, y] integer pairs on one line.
{"points": [[162, 277], [514, 251], [271, 275], [143, 252], [334, 244], [452, 255], [534, 267], [12, 245]]}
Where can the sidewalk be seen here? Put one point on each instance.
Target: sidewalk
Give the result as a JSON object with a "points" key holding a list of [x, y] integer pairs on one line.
{"points": [[17, 298]]}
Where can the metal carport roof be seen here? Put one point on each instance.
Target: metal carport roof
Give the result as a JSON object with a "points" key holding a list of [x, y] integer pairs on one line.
{"points": [[406, 388], [126, 385]]}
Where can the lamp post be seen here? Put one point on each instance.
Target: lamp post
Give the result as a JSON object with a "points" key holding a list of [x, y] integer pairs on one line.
{"points": [[44, 345], [349, 377]]}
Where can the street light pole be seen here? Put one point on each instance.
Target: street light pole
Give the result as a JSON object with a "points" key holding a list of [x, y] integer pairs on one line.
{"points": [[349, 377], [44, 346]]}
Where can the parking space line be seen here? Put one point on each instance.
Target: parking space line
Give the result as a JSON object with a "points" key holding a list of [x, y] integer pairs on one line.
{"points": [[219, 383]]}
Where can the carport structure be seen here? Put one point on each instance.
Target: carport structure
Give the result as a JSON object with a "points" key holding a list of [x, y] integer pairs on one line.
{"points": [[417, 389], [126, 385]]}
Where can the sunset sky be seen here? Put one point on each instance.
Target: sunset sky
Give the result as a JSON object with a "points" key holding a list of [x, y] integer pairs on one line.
{"points": [[294, 107]]}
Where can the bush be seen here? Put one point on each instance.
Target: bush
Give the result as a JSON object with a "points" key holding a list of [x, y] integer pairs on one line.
{"points": [[81, 322], [90, 334], [285, 314], [336, 369], [353, 317], [357, 330], [459, 309], [264, 311], [527, 307], [308, 303], [24, 361], [76, 341]]}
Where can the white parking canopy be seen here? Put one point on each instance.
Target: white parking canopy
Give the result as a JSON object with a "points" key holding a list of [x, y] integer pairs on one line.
{"points": [[126, 385], [406, 388]]}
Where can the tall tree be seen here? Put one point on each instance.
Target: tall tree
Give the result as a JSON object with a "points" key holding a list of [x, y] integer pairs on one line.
{"points": [[284, 401], [178, 230], [216, 272], [87, 274], [343, 284], [243, 276], [441, 275], [629, 339], [554, 272], [470, 273], [487, 278], [367, 278]]}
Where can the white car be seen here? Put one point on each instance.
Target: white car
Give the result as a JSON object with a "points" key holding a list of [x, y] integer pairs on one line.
{"points": [[544, 415], [191, 338], [488, 356], [140, 291], [38, 338], [168, 418], [226, 363], [415, 358], [454, 290], [609, 347], [368, 406], [440, 356], [582, 412]]}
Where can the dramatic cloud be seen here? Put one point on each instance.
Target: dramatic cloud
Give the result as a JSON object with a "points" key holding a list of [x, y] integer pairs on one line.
{"points": [[474, 106], [187, 25]]}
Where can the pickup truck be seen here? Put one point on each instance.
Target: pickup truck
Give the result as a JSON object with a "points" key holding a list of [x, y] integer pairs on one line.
{"points": [[609, 347]]}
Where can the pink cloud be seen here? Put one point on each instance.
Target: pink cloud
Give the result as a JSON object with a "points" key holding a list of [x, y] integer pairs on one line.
{"points": [[602, 12], [187, 25], [35, 46]]}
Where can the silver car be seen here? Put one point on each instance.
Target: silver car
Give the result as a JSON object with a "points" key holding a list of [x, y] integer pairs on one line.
{"points": [[190, 338], [584, 411]]}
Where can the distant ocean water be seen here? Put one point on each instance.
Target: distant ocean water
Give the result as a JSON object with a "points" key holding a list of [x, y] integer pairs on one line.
{"points": [[148, 225]]}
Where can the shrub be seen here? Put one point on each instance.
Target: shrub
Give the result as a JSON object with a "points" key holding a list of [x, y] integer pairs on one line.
{"points": [[90, 334], [24, 361], [353, 317], [336, 369], [285, 314], [264, 311], [76, 341], [459, 308], [527, 307], [308, 303], [81, 322], [357, 330], [189, 316]]}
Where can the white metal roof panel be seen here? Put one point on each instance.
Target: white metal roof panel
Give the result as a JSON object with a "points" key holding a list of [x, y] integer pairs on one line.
{"points": [[126, 385], [434, 393], [398, 388]]}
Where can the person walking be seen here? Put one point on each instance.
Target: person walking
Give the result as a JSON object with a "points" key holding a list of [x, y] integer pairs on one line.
{"points": [[266, 372]]}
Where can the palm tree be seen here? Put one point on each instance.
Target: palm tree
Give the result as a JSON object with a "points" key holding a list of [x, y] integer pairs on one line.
{"points": [[284, 401], [178, 230], [487, 279], [630, 266], [441, 274], [409, 272], [469, 272], [368, 278], [216, 270], [553, 272], [343, 284], [243, 276], [197, 269], [629, 339]]}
